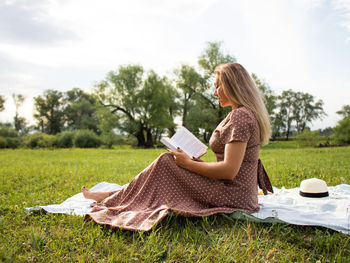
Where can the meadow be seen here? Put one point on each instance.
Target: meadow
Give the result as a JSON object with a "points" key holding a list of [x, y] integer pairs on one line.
{"points": [[38, 177]]}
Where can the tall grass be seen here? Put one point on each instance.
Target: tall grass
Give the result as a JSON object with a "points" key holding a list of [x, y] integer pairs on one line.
{"points": [[32, 177]]}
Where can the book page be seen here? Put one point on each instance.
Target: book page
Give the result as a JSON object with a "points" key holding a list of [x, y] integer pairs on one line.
{"points": [[189, 143], [169, 143]]}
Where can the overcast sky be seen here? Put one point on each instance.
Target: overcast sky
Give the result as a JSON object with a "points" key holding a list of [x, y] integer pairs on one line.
{"points": [[302, 45]]}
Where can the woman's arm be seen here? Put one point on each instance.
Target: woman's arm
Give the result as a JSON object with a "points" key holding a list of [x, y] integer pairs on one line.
{"points": [[227, 169]]}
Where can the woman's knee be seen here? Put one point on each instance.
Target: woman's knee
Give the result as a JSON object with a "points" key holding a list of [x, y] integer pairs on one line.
{"points": [[166, 156]]}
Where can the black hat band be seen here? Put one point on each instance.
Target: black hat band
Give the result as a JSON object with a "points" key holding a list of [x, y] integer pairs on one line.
{"points": [[314, 195]]}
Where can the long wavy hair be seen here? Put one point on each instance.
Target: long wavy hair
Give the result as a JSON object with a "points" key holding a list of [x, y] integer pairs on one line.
{"points": [[240, 89]]}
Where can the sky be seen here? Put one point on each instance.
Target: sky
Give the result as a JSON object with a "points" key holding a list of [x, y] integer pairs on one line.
{"points": [[303, 45]]}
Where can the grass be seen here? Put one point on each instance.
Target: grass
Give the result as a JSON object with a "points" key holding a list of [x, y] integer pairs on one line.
{"points": [[32, 177]]}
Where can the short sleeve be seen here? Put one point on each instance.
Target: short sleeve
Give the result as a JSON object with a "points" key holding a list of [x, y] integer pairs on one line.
{"points": [[238, 128]]}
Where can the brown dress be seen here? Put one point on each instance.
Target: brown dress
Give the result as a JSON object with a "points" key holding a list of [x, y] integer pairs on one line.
{"points": [[164, 186]]}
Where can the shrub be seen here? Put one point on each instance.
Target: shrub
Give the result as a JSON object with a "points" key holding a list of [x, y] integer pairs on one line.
{"points": [[109, 138], [3, 143], [47, 141], [342, 131], [129, 140], [39, 140], [65, 139], [86, 139], [31, 140], [8, 132], [13, 142], [309, 138]]}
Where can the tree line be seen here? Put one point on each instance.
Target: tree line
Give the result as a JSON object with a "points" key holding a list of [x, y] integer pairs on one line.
{"points": [[145, 105]]}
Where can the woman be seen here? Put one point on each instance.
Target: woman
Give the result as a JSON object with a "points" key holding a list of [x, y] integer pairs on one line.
{"points": [[192, 187]]}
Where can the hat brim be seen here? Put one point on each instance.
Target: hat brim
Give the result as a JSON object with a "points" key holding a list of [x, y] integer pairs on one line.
{"points": [[295, 194]]}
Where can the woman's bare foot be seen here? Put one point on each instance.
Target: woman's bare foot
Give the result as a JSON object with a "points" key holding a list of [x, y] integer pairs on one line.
{"points": [[97, 196]]}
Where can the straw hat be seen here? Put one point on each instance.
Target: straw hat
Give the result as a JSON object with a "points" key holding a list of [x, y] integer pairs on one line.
{"points": [[313, 188]]}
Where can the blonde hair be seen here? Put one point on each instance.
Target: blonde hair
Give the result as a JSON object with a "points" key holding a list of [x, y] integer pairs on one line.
{"points": [[240, 89]]}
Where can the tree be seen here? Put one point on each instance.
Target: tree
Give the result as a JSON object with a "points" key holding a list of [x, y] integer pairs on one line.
{"points": [[270, 98], [342, 131], [205, 113], [189, 82], [285, 111], [213, 56], [19, 122], [298, 108], [305, 110], [80, 110], [345, 111], [328, 131], [2, 102], [153, 107], [107, 122], [143, 104], [277, 122], [49, 111]]}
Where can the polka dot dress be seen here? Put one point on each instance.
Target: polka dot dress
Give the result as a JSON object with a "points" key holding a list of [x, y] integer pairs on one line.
{"points": [[164, 186]]}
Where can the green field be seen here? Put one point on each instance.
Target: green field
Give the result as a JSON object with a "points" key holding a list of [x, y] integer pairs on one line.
{"points": [[38, 177]]}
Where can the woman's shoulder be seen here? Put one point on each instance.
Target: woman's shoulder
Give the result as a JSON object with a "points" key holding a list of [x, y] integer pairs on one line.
{"points": [[242, 113]]}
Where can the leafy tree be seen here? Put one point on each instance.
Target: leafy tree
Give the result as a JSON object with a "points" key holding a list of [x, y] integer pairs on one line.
{"points": [[328, 131], [277, 122], [213, 56], [285, 111], [270, 98], [153, 107], [49, 111], [205, 113], [107, 122], [174, 107], [202, 120], [305, 110], [2, 102], [19, 122], [298, 108], [80, 110], [342, 131], [142, 104], [189, 82], [345, 111]]}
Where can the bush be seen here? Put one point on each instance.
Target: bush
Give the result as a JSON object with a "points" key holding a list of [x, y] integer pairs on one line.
{"points": [[129, 140], [308, 138], [13, 142], [39, 140], [47, 141], [342, 131], [109, 138], [10, 136], [86, 139], [8, 132], [65, 139], [3, 143]]}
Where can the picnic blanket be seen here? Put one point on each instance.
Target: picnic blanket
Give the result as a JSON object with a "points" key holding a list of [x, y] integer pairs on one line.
{"points": [[284, 206]]}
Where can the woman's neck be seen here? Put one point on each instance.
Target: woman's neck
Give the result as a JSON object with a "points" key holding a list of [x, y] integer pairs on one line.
{"points": [[235, 106]]}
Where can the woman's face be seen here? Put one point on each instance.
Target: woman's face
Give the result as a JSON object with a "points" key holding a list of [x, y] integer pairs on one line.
{"points": [[219, 92]]}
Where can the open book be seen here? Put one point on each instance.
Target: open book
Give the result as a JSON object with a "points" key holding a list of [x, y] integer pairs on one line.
{"points": [[187, 142]]}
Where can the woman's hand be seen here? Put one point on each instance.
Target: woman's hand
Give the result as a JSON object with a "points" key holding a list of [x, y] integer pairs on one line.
{"points": [[197, 159], [181, 158]]}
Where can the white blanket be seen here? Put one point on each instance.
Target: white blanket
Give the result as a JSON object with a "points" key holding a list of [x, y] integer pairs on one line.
{"points": [[284, 206]]}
